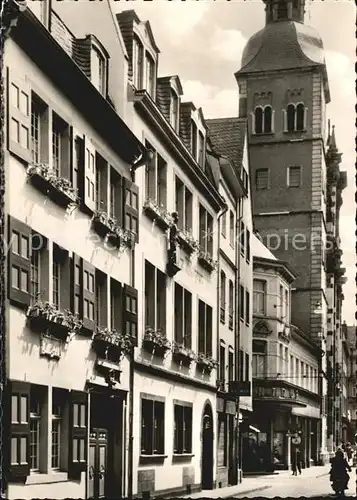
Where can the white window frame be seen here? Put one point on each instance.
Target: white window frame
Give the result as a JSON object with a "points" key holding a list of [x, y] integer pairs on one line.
{"points": [[102, 84], [288, 180], [260, 293]]}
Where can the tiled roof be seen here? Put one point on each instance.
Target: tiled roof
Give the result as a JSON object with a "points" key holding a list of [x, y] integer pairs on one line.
{"points": [[227, 136], [282, 45]]}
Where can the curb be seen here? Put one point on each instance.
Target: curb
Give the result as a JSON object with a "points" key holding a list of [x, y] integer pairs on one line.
{"points": [[245, 492]]}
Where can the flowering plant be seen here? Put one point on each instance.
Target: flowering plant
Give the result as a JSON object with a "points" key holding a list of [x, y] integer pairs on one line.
{"points": [[159, 210], [58, 182], [157, 337], [116, 339], [50, 312], [188, 240], [206, 361], [125, 235], [181, 350]]}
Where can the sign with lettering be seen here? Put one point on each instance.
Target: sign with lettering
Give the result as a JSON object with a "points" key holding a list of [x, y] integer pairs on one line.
{"points": [[276, 393], [50, 347], [239, 388]]}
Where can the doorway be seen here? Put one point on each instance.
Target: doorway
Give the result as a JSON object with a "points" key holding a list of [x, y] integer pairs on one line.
{"points": [[106, 446], [207, 448], [232, 475]]}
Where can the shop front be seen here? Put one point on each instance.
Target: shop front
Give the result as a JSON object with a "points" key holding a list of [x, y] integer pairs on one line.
{"points": [[268, 435]]}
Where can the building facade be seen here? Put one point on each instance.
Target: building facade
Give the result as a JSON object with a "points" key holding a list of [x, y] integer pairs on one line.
{"points": [[284, 99], [285, 373], [69, 328], [349, 383]]}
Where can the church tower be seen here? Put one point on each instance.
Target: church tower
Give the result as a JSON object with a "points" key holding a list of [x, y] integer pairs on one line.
{"points": [[283, 92]]}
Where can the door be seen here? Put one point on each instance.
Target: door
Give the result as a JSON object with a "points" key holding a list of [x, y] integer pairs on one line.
{"points": [[207, 449], [232, 477], [97, 472]]}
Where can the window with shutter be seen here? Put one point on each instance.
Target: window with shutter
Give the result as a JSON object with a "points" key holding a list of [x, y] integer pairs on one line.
{"points": [[61, 279], [247, 307], [19, 262], [78, 431], [115, 196], [19, 466], [19, 116], [131, 207], [101, 302], [101, 183], [78, 163], [77, 279], [116, 306], [204, 328], [130, 317], [89, 188]]}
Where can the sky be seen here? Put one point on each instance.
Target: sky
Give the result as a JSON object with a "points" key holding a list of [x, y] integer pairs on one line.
{"points": [[202, 42]]}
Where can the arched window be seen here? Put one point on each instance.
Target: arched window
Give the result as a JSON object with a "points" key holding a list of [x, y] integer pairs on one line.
{"points": [[300, 112], [267, 119], [258, 115], [290, 111]]}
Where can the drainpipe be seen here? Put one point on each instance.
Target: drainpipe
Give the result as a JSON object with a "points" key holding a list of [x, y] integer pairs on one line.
{"points": [[238, 457]]}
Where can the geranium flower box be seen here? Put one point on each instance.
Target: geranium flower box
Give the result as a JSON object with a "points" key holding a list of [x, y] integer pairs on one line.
{"points": [[57, 188]]}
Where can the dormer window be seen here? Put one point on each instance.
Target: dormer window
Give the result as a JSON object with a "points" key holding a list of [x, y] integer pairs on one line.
{"points": [[295, 118], [138, 52], [98, 70], [194, 139], [174, 108], [263, 120], [150, 76]]}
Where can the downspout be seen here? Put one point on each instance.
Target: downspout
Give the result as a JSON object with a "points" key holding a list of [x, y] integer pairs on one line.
{"points": [[239, 211]]}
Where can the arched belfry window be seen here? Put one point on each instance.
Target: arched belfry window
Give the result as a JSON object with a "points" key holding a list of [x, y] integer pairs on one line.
{"points": [[258, 119], [268, 119], [300, 117], [290, 111]]}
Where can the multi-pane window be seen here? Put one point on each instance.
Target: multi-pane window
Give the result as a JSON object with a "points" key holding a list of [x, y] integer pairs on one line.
{"points": [[231, 228], [138, 53], [56, 275], [183, 316], [57, 415], [56, 146], [206, 230], [281, 312], [35, 274], [287, 309], [204, 328], [247, 307], [262, 178], [152, 427], [150, 75], [35, 428], [295, 116], [183, 201], [230, 365], [223, 298], [98, 70], [35, 131], [242, 238], [230, 305], [156, 178], [259, 358], [194, 139], [201, 149], [259, 296], [88, 285], [155, 298], [174, 108], [294, 176], [241, 302], [182, 429]]}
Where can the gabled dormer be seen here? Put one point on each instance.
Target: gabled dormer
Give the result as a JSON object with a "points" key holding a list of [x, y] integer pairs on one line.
{"points": [[168, 97], [142, 51], [193, 131]]}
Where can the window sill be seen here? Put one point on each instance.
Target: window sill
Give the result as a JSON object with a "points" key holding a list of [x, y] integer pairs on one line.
{"points": [[182, 457], [259, 134], [152, 459], [295, 131], [52, 477]]}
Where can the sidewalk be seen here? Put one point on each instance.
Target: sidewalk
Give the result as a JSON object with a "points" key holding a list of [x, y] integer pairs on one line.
{"points": [[258, 483]]}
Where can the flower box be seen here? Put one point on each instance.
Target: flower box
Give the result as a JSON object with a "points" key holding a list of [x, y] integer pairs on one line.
{"points": [[108, 227], [45, 316], [205, 259], [205, 362], [110, 344], [187, 241], [59, 189], [158, 214], [155, 340], [182, 353]]}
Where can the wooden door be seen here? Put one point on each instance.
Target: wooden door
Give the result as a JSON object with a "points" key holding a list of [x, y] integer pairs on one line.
{"points": [[97, 473]]}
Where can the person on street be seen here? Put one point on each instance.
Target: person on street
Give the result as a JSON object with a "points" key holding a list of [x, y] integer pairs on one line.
{"points": [[296, 462], [339, 468]]}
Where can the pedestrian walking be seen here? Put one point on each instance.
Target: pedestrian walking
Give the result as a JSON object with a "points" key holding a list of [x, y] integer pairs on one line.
{"points": [[296, 462]]}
